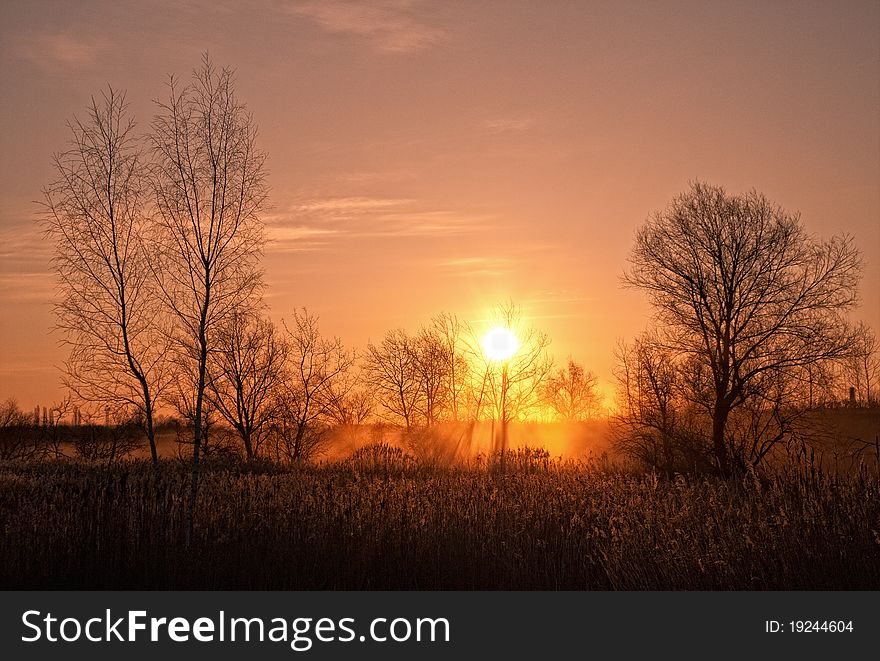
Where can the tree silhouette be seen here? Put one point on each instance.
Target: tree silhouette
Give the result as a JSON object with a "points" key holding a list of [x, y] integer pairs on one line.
{"points": [[740, 286], [653, 422], [571, 393], [108, 310], [209, 182], [510, 387], [314, 388], [245, 374], [861, 370], [392, 371], [448, 332]]}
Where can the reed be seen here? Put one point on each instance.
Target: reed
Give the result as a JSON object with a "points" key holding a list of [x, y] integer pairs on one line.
{"points": [[375, 522]]}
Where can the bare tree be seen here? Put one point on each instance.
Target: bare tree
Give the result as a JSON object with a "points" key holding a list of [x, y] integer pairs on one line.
{"points": [[770, 414], [820, 384], [741, 286], [349, 402], [511, 386], [108, 309], [652, 422], [571, 393], [18, 432], [209, 182], [312, 394], [245, 374], [861, 370], [12, 416], [392, 371], [420, 379], [106, 443], [52, 437], [433, 363], [526, 371], [448, 332]]}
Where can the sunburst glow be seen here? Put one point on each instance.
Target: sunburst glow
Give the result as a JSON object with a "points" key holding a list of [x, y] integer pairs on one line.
{"points": [[500, 343]]}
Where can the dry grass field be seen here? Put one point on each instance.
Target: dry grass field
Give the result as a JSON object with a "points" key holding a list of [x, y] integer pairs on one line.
{"points": [[380, 520]]}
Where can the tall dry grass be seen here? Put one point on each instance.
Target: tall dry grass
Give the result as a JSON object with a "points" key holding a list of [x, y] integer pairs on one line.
{"points": [[380, 521]]}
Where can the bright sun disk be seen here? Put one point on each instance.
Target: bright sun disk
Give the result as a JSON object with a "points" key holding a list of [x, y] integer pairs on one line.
{"points": [[500, 343]]}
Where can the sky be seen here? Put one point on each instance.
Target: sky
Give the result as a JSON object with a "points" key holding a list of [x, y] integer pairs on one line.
{"points": [[447, 156]]}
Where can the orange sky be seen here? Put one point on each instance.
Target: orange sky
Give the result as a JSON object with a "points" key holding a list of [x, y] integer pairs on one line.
{"points": [[447, 156]]}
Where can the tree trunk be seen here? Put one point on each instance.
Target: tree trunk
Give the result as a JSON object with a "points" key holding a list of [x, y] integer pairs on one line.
{"points": [[197, 442], [297, 441], [151, 431], [668, 458], [504, 385], [719, 446], [248, 447]]}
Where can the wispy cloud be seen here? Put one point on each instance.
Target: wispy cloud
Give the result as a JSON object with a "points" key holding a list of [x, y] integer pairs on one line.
{"points": [[391, 26], [505, 261], [316, 223], [375, 177], [22, 287], [556, 304], [54, 51], [477, 266], [22, 242], [507, 124], [17, 369], [557, 297], [352, 205], [428, 224], [299, 238]]}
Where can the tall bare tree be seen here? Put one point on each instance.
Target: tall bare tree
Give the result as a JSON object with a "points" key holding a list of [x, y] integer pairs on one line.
{"points": [[510, 387], [742, 287], [318, 367], [449, 333], [420, 379], [245, 374], [108, 311], [516, 393], [208, 176], [349, 401], [432, 362], [571, 393], [392, 372]]}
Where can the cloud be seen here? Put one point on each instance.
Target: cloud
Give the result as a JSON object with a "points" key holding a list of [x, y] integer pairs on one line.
{"points": [[352, 204], [22, 242], [313, 224], [507, 124], [477, 266], [25, 255], [509, 259], [557, 304], [381, 177], [60, 50], [298, 238], [390, 26], [427, 224], [17, 369], [558, 297], [24, 287]]}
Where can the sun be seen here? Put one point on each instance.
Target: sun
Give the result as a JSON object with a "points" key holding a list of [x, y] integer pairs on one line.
{"points": [[500, 343]]}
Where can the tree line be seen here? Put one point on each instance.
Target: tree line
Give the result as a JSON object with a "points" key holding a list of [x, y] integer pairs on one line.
{"points": [[158, 239]]}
